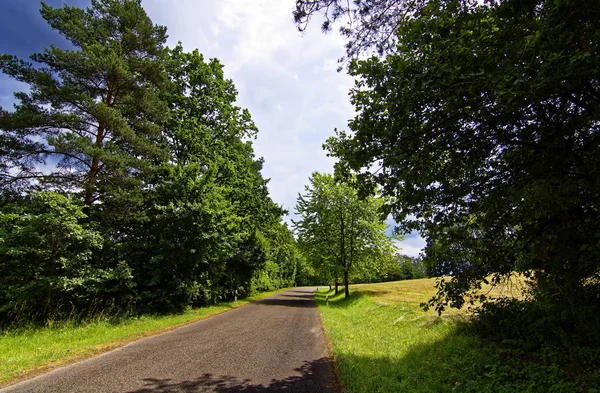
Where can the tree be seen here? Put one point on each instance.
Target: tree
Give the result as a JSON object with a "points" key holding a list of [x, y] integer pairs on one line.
{"points": [[484, 126], [46, 260], [91, 114], [209, 225], [369, 24], [341, 232], [153, 156]]}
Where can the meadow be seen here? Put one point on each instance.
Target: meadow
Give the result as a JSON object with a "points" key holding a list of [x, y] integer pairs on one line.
{"points": [[384, 342]]}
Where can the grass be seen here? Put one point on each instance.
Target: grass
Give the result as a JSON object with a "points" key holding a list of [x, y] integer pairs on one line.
{"points": [[384, 342], [31, 351]]}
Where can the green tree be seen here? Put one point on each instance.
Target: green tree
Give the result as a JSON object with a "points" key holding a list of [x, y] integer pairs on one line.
{"points": [[46, 261], [92, 111], [283, 252], [341, 232], [150, 140], [209, 224], [89, 127], [485, 123]]}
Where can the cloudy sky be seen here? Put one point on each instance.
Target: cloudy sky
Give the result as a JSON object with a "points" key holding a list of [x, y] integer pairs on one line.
{"points": [[287, 80]]}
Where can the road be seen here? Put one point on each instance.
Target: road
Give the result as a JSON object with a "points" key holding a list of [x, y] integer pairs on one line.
{"points": [[273, 345]]}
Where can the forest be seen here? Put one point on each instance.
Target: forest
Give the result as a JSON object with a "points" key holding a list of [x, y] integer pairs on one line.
{"points": [[128, 177], [479, 122]]}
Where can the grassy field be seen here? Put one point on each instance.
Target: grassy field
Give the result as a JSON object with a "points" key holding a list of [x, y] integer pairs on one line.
{"points": [[31, 351], [384, 342]]}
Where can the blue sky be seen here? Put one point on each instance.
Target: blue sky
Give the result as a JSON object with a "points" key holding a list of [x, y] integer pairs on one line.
{"points": [[287, 80]]}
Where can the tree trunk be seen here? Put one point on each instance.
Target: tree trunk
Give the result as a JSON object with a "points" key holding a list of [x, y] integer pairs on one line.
{"points": [[99, 143], [342, 250], [346, 288], [348, 266], [336, 286]]}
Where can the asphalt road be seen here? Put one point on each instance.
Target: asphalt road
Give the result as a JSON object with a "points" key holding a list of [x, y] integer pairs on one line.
{"points": [[273, 345]]}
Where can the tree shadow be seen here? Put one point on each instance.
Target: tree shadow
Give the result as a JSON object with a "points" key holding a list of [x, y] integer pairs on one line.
{"points": [[299, 291], [460, 362], [305, 295], [314, 376], [294, 302], [337, 301]]}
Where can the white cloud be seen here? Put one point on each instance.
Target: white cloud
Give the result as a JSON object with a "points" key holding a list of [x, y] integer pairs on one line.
{"points": [[408, 249], [287, 80]]}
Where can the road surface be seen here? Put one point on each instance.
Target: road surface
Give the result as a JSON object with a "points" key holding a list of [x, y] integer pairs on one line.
{"points": [[273, 345]]}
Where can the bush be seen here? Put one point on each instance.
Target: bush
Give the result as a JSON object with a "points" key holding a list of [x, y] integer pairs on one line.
{"points": [[558, 342], [46, 264]]}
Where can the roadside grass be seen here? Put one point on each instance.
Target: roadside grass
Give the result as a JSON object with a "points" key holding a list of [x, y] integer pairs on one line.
{"points": [[25, 352], [384, 342]]}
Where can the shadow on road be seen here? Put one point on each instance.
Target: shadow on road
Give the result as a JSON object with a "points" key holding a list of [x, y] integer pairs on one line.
{"points": [[304, 291], [306, 295], [313, 378], [292, 302], [298, 299]]}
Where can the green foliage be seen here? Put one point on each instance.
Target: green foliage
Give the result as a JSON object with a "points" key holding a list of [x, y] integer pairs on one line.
{"points": [[305, 272], [268, 278], [341, 233], [150, 142], [392, 268], [481, 125], [566, 340], [405, 268], [484, 120], [393, 346], [46, 260], [92, 110]]}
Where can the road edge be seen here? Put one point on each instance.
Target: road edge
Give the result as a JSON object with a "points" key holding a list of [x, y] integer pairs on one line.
{"points": [[116, 345], [340, 388]]}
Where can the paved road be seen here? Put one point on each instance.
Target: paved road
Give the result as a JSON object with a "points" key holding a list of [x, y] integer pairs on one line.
{"points": [[273, 345]]}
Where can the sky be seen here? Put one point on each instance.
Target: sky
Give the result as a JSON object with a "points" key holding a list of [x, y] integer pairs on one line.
{"points": [[288, 80]]}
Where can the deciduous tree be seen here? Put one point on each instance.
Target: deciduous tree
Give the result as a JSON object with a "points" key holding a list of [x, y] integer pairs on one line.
{"points": [[340, 231], [483, 124]]}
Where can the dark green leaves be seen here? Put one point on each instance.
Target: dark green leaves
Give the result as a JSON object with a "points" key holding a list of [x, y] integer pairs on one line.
{"points": [[167, 205], [484, 121]]}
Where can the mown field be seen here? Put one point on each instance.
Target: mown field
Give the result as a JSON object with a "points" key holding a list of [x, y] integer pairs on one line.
{"points": [[384, 342], [29, 351]]}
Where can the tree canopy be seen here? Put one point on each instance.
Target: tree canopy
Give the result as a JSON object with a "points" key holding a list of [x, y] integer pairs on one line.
{"points": [[340, 232], [92, 111], [482, 124], [128, 179]]}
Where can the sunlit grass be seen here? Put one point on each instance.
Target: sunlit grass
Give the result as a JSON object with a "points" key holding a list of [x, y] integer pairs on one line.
{"points": [[27, 351], [415, 292], [384, 342]]}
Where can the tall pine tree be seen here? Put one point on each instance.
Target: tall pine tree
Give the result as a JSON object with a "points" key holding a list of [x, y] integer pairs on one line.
{"points": [[89, 122]]}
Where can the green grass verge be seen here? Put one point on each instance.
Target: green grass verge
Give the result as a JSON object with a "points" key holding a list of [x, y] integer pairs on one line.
{"points": [[34, 350], [384, 342]]}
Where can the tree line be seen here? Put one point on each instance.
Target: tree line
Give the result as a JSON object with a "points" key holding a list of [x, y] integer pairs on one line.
{"points": [[128, 180]]}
